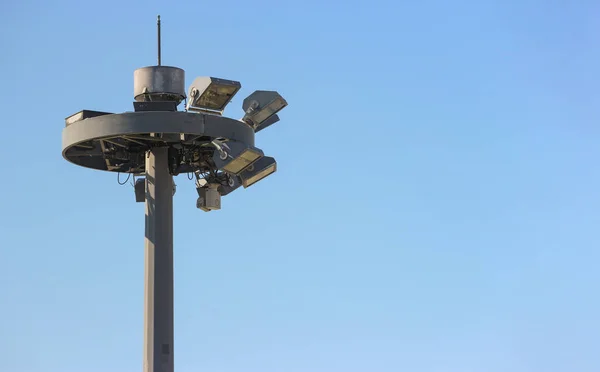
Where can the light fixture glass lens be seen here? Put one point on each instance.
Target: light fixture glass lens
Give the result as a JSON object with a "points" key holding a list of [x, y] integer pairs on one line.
{"points": [[246, 158], [259, 175], [216, 97], [269, 110]]}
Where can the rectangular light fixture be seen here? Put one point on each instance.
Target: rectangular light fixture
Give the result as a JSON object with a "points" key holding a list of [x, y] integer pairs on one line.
{"points": [[261, 105], [243, 160], [267, 123], [82, 115], [213, 94], [269, 110], [258, 171]]}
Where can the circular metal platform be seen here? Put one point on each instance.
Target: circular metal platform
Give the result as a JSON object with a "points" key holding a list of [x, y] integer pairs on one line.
{"points": [[119, 142]]}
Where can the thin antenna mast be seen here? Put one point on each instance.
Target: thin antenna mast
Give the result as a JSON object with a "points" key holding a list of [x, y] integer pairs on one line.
{"points": [[158, 29]]}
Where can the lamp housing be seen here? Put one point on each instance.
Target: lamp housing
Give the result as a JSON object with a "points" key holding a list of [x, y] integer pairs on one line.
{"points": [[211, 95], [261, 105], [233, 157], [258, 171]]}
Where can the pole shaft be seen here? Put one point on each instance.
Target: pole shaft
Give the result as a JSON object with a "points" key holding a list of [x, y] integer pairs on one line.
{"points": [[158, 296]]}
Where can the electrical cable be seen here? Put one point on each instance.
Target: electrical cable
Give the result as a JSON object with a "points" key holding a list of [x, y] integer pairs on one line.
{"points": [[119, 178]]}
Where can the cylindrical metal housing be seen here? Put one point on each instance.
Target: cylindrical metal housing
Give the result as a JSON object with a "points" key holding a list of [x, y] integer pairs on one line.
{"points": [[159, 83]]}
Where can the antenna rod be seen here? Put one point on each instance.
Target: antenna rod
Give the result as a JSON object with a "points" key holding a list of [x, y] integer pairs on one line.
{"points": [[158, 27]]}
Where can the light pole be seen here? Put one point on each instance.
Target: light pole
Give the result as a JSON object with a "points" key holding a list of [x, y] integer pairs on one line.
{"points": [[159, 142]]}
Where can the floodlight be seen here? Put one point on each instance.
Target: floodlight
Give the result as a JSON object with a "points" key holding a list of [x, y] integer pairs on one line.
{"points": [[82, 115], [267, 123], [209, 94], [209, 198], [257, 171], [261, 105], [233, 157]]}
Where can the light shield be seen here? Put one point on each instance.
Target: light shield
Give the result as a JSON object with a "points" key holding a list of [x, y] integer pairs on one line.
{"points": [[233, 157], [259, 170], [270, 121], [261, 105], [82, 115], [209, 94]]}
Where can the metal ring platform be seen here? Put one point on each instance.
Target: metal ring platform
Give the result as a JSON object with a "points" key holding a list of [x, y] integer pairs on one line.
{"points": [[118, 142]]}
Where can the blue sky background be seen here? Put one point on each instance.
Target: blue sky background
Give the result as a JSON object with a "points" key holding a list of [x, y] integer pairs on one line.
{"points": [[436, 207]]}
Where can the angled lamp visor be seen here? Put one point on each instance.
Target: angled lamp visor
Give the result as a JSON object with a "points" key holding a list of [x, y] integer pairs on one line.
{"points": [[258, 171], [268, 104], [267, 123], [239, 157], [243, 160], [264, 113], [82, 115], [213, 93]]}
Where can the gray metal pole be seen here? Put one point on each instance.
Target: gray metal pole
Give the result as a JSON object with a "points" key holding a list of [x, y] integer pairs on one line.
{"points": [[158, 296]]}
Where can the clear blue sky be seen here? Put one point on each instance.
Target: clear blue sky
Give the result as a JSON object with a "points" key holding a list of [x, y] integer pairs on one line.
{"points": [[436, 207]]}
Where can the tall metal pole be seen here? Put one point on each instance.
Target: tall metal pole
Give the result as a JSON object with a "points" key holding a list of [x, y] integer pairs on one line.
{"points": [[157, 92], [158, 296]]}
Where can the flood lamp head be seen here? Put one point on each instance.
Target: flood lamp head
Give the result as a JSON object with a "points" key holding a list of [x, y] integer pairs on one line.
{"points": [[211, 95]]}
